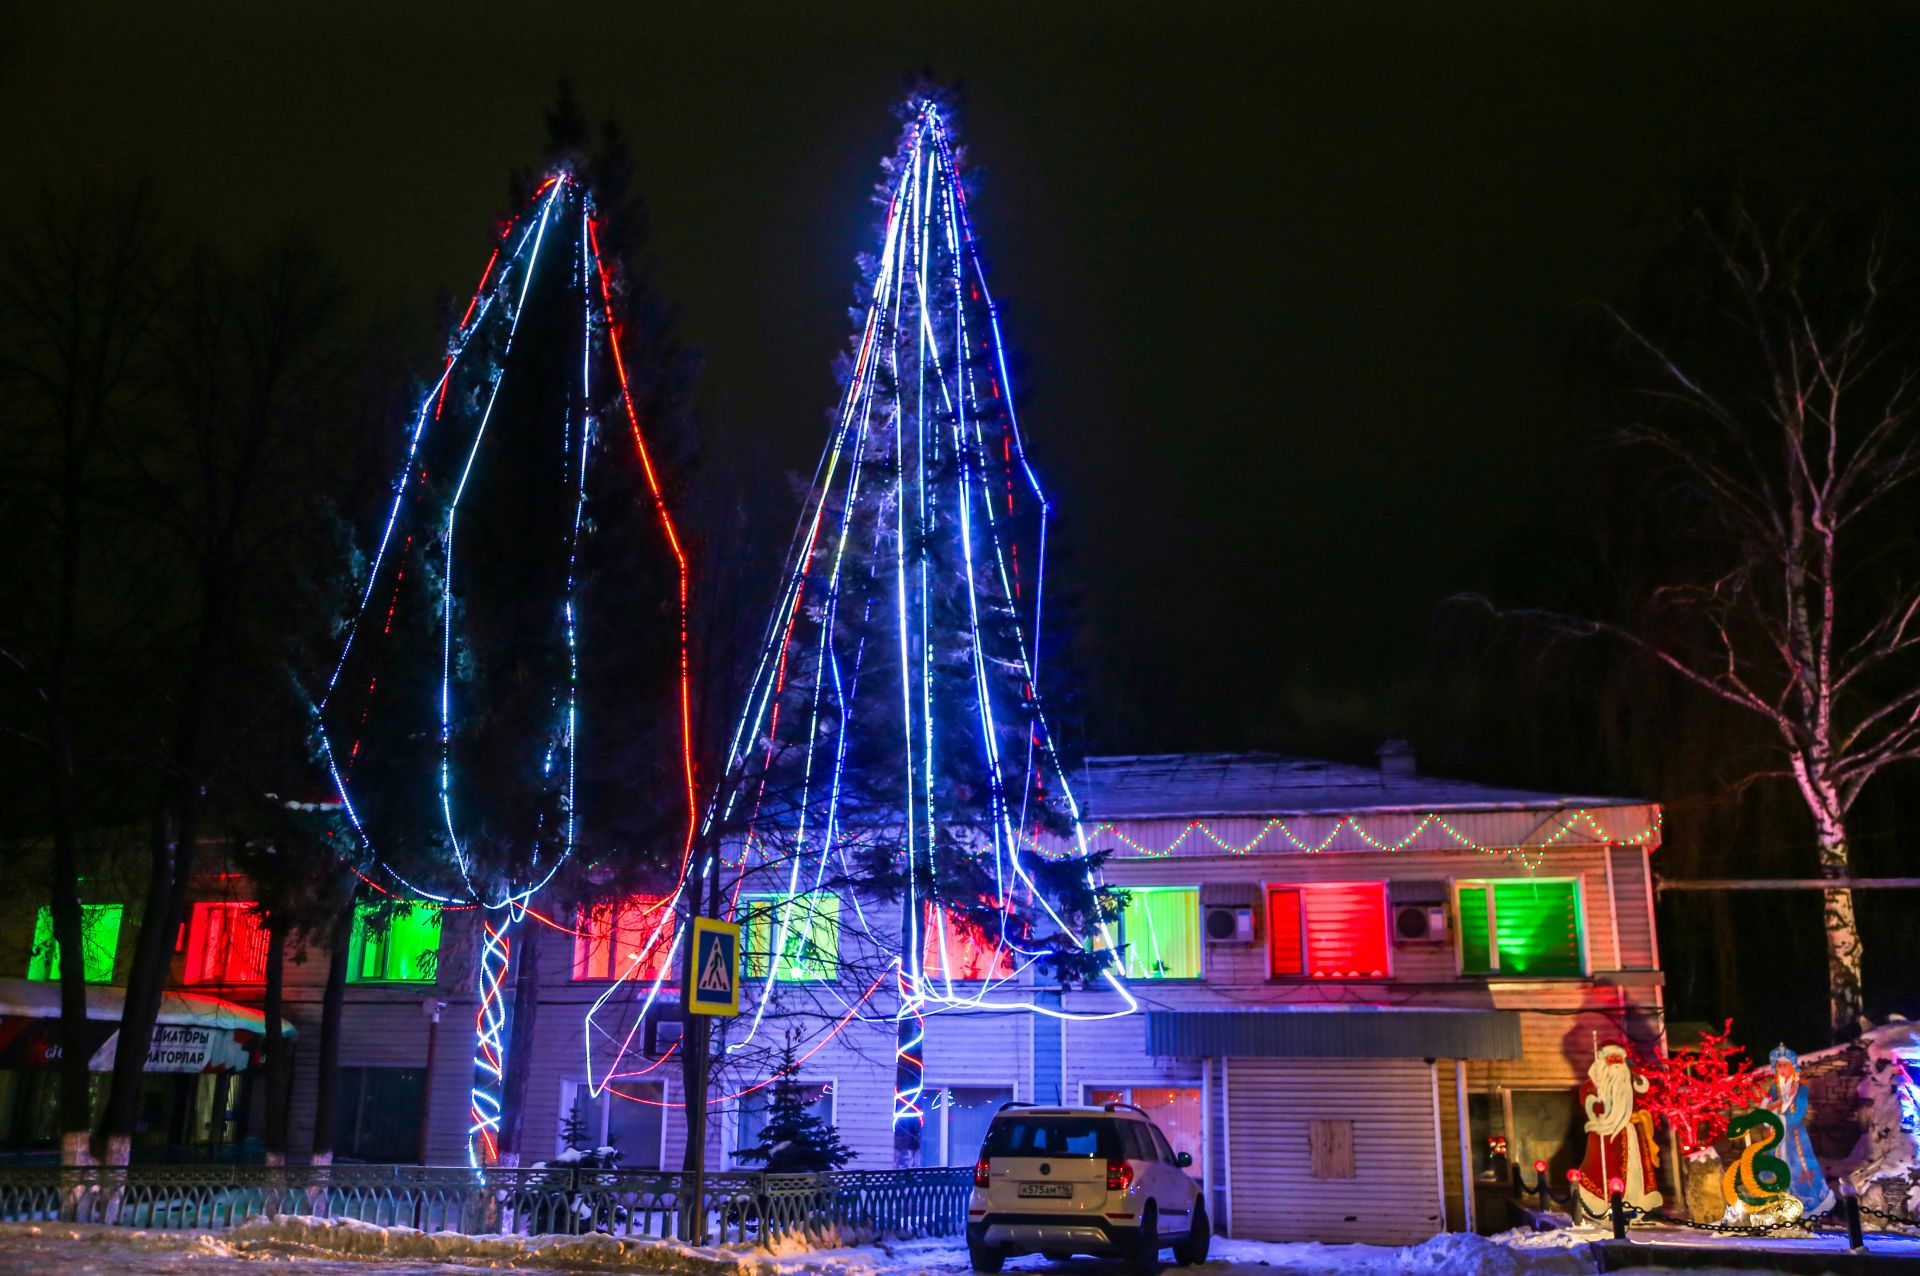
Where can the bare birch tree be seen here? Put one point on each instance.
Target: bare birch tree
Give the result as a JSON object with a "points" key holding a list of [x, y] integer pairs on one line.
{"points": [[1799, 607]]}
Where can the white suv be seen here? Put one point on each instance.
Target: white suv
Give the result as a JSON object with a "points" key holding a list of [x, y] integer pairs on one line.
{"points": [[1061, 1181]]}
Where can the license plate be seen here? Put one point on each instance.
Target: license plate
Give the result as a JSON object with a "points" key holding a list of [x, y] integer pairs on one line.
{"points": [[1057, 1191]]}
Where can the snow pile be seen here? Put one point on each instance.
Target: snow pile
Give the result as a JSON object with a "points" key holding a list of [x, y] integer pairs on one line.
{"points": [[308, 1245], [1516, 1253], [291, 1236], [95, 1235], [1885, 1164]]}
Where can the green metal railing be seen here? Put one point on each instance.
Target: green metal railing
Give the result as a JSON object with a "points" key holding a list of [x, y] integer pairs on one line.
{"points": [[737, 1208]]}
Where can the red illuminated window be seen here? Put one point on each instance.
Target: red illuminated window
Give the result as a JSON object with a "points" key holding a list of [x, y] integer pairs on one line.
{"points": [[1334, 930], [630, 938], [226, 944], [974, 952]]}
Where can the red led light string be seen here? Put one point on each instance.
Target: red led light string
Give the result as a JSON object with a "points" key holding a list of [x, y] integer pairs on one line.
{"points": [[614, 332], [835, 1031]]}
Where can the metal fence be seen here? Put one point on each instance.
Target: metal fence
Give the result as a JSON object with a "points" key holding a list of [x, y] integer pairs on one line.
{"points": [[739, 1208]]}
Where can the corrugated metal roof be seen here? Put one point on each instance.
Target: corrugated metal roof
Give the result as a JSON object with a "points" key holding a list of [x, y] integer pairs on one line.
{"points": [[1335, 1032], [1189, 785]]}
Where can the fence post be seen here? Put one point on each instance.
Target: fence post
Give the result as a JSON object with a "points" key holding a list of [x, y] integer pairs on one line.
{"points": [[1850, 1211], [1617, 1206]]}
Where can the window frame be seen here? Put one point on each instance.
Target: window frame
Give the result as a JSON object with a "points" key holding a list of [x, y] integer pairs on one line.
{"points": [[731, 1123], [584, 943], [1304, 975], [1202, 1166], [359, 1072], [201, 976], [570, 1088], [50, 966], [1501, 1097], [357, 948], [1490, 885], [1012, 1087], [750, 923], [930, 946], [1195, 921]]}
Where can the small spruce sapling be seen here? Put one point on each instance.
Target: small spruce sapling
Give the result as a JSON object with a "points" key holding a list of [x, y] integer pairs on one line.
{"points": [[793, 1140], [581, 1153]]}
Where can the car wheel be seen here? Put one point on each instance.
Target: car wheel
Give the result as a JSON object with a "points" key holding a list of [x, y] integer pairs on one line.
{"points": [[1191, 1250], [1145, 1259], [986, 1258]]}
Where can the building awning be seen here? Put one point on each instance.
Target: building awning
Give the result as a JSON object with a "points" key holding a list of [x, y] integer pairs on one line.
{"points": [[192, 1033], [1335, 1032]]}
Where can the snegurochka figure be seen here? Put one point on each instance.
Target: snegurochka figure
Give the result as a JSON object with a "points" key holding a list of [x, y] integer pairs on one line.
{"points": [[1787, 1098]]}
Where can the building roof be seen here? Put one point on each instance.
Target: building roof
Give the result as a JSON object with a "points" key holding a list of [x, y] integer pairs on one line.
{"points": [[1193, 785]]}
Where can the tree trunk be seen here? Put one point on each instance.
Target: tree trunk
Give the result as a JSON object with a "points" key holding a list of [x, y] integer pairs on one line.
{"points": [[176, 827], [909, 1073], [513, 1082], [276, 1132], [169, 863], [69, 935], [1846, 1000], [63, 897], [327, 1065]]}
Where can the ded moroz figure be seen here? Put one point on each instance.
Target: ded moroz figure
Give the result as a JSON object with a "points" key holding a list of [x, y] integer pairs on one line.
{"points": [[1620, 1144]]}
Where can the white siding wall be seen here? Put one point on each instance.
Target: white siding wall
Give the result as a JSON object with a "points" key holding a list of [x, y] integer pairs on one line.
{"points": [[1395, 1197]]}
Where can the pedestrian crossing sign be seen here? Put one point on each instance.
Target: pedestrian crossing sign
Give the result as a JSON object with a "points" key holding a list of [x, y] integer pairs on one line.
{"points": [[714, 987]]}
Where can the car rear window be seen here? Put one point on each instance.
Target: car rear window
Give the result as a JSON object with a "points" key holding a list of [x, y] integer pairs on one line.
{"points": [[1051, 1136]]}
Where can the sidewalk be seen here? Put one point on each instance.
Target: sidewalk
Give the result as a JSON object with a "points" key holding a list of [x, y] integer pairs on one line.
{"points": [[1681, 1248]]}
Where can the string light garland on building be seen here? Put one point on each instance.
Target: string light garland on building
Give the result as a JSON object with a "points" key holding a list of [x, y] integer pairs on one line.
{"points": [[1529, 852]]}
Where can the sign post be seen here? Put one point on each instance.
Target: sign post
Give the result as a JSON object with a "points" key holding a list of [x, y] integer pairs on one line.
{"points": [[711, 988], [714, 984]]}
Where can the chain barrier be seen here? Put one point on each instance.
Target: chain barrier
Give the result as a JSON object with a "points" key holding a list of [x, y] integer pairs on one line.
{"points": [[1805, 1222], [1888, 1217]]}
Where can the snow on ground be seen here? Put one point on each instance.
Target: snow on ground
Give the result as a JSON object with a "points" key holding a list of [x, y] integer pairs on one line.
{"points": [[304, 1247]]}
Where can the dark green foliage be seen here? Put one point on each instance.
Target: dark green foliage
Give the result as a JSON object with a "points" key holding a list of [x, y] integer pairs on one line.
{"points": [[793, 1140]]}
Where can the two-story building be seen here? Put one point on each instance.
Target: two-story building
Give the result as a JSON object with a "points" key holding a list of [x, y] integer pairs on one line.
{"points": [[1362, 993], [1365, 992]]}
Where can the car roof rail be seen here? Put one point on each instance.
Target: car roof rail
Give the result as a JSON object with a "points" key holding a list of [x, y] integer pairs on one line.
{"points": [[1014, 1103], [1134, 1107]]}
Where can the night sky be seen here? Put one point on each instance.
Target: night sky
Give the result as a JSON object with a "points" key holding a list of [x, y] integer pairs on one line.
{"points": [[1292, 283]]}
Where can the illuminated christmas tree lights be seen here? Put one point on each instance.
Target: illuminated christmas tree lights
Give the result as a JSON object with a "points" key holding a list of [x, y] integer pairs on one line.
{"points": [[454, 723], [895, 743]]}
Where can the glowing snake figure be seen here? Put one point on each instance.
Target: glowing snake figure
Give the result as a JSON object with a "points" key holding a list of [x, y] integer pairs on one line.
{"points": [[895, 734], [455, 724], [1759, 1180]]}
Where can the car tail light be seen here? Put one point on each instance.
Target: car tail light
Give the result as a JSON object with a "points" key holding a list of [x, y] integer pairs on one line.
{"points": [[1119, 1176], [980, 1172]]}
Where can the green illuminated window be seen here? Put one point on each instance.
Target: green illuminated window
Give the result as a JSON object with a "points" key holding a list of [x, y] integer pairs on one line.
{"points": [[99, 943], [394, 945], [1520, 927], [1160, 928], [806, 927]]}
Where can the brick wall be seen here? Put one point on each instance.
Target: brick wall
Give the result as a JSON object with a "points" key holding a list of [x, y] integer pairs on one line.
{"points": [[1834, 1105]]}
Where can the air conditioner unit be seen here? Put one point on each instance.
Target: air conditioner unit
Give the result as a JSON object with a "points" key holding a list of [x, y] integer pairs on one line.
{"points": [[663, 1033], [1420, 924], [1229, 925]]}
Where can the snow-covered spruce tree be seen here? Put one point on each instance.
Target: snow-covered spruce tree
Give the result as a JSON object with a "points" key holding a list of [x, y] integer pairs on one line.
{"points": [[793, 1140]]}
